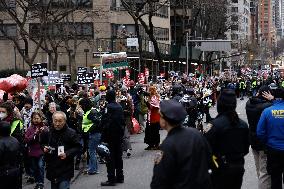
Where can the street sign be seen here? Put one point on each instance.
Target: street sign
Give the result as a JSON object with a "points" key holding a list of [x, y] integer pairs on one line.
{"points": [[39, 70]]}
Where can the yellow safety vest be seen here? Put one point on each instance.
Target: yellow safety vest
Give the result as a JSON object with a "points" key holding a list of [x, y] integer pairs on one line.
{"points": [[14, 126], [242, 85], [254, 84], [282, 84], [86, 123]]}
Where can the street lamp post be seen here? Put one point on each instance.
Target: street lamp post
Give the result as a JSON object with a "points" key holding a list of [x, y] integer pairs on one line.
{"points": [[86, 53], [70, 54], [187, 66], [15, 57], [49, 59], [23, 51]]}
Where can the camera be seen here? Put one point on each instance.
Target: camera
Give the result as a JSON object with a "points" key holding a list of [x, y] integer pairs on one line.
{"points": [[50, 149]]}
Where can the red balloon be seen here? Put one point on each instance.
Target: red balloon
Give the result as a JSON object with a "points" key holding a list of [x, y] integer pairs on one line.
{"points": [[14, 83]]}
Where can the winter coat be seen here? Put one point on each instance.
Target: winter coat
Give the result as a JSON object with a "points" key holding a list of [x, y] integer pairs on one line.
{"points": [[58, 169], [254, 108]]}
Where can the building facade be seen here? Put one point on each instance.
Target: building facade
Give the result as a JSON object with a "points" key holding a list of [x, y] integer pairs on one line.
{"points": [[99, 25], [240, 32]]}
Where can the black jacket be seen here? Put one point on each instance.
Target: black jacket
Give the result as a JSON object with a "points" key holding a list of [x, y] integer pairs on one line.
{"points": [[254, 108], [228, 141], [183, 162], [113, 124], [10, 153], [56, 168]]}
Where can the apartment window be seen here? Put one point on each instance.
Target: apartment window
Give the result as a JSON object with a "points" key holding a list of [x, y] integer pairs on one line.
{"points": [[8, 30], [63, 3], [235, 1], [161, 34], [234, 37], [123, 31], [7, 4], [234, 27], [62, 68], [235, 9], [235, 18], [72, 30], [162, 11]]}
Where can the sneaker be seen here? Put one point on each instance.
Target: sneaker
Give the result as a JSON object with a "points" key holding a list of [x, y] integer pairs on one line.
{"points": [[148, 148], [31, 180], [128, 152], [39, 186], [107, 183]]}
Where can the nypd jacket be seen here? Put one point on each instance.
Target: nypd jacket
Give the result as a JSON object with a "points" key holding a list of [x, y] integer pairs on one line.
{"points": [[270, 128], [183, 161]]}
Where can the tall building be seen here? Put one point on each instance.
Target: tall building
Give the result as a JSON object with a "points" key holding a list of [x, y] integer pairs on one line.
{"points": [[267, 26], [100, 25], [254, 21], [277, 17], [240, 32]]}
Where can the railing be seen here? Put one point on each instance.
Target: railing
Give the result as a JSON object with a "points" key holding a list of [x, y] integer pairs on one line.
{"points": [[120, 45]]}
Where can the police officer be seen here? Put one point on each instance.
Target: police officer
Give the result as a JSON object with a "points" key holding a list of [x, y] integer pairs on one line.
{"points": [[176, 167], [113, 130], [10, 158], [271, 132], [228, 137], [242, 89]]}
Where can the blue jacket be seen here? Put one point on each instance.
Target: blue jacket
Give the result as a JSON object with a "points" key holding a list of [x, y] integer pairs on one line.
{"points": [[270, 128]]}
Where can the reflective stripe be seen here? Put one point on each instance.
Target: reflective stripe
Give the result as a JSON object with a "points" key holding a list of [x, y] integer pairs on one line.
{"points": [[15, 124], [86, 123]]}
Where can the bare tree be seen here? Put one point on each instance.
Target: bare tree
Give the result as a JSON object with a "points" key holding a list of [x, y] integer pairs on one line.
{"points": [[140, 9], [34, 20]]}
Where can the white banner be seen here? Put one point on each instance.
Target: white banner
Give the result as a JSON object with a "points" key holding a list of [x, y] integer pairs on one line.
{"points": [[132, 42]]}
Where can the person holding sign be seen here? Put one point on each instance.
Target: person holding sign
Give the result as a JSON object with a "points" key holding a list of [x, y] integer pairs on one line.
{"points": [[61, 146]]}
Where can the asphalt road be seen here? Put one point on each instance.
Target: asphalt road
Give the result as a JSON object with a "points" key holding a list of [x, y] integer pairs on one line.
{"points": [[139, 167]]}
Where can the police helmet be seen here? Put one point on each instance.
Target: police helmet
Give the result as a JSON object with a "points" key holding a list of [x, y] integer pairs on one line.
{"points": [[103, 151]]}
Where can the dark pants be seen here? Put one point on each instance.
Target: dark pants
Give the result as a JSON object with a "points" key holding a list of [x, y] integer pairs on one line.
{"points": [[152, 135], [275, 167], [115, 163], [229, 177], [37, 164], [207, 113], [11, 181]]}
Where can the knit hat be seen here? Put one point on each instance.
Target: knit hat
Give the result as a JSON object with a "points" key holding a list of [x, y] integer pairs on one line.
{"points": [[110, 96], [29, 100], [227, 101]]}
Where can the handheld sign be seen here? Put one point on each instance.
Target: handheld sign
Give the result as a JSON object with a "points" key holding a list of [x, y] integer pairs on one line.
{"points": [[65, 77], [39, 70]]}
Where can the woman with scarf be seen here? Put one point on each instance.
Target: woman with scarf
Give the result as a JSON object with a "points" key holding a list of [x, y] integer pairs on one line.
{"points": [[152, 136], [35, 152]]}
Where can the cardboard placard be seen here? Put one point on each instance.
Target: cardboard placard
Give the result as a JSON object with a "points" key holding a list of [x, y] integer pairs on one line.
{"points": [[39, 70]]}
